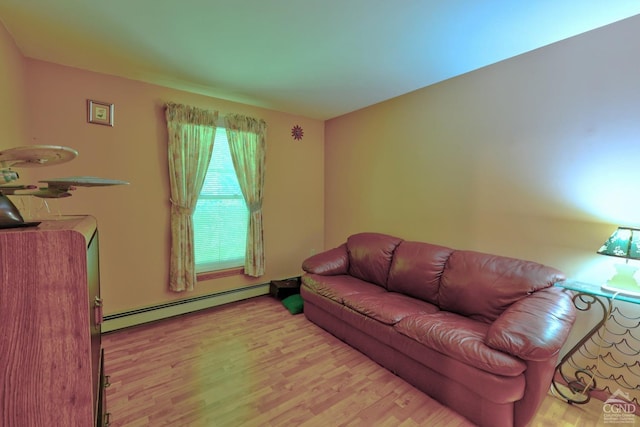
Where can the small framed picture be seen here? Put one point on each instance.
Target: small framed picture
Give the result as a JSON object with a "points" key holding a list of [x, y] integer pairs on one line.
{"points": [[100, 113]]}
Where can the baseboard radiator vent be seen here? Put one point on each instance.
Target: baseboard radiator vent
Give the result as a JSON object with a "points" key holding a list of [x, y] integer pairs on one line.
{"points": [[113, 322]]}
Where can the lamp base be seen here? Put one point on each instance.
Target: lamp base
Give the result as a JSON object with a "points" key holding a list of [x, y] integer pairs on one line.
{"points": [[623, 282]]}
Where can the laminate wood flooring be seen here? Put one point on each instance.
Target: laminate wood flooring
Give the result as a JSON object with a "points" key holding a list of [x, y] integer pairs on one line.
{"points": [[251, 363]]}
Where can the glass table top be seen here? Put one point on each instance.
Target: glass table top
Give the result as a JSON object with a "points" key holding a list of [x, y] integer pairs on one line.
{"points": [[590, 288]]}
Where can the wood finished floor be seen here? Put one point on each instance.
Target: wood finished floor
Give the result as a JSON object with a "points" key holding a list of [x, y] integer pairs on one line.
{"points": [[251, 363]]}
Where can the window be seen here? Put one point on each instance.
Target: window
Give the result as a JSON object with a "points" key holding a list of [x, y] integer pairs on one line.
{"points": [[221, 217]]}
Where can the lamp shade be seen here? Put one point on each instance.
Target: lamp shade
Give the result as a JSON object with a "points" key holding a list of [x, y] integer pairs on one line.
{"points": [[623, 243]]}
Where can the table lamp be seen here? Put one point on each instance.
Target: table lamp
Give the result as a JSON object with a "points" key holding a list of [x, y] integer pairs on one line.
{"points": [[623, 243]]}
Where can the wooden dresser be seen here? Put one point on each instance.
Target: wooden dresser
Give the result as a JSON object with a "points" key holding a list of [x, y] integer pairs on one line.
{"points": [[50, 315]]}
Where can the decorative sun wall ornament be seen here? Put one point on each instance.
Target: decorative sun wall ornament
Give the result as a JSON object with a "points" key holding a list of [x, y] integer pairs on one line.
{"points": [[297, 133]]}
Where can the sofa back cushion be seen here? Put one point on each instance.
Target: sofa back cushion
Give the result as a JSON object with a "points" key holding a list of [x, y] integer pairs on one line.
{"points": [[370, 256], [482, 286], [416, 270]]}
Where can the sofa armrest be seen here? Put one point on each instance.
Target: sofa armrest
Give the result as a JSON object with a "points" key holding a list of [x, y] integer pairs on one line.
{"points": [[328, 263], [536, 327]]}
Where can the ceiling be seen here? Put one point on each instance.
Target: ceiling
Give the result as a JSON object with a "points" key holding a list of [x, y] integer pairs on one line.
{"points": [[318, 59]]}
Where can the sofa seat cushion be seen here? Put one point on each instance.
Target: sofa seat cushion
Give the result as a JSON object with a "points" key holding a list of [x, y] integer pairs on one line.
{"points": [[366, 326], [388, 307], [460, 338], [495, 388], [337, 287]]}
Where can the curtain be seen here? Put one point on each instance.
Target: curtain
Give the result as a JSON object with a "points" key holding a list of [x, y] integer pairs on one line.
{"points": [[247, 142], [191, 134]]}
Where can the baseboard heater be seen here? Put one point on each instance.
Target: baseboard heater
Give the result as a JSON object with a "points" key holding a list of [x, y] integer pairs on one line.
{"points": [[113, 322]]}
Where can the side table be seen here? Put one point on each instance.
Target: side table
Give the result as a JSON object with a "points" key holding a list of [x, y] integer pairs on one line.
{"points": [[613, 343], [283, 288]]}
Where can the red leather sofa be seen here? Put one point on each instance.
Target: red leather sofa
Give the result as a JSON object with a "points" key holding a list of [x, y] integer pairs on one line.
{"points": [[480, 333]]}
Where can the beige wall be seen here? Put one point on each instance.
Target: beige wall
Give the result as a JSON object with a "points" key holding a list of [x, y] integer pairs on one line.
{"points": [[534, 157], [133, 220], [13, 107]]}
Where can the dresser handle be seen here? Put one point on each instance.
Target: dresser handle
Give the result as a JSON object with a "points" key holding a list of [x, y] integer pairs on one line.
{"points": [[97, 307], [106, 381], [107, 419]]}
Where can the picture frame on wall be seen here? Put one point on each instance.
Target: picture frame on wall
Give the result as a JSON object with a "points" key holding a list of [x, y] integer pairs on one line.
{"points": [[100, 113]]}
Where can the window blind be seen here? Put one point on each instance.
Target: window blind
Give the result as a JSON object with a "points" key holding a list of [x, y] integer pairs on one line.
{"points": [[221, 217]]}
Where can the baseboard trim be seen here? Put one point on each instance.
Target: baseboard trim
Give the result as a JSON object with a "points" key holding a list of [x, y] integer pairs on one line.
{"points": [[114, 322]]}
